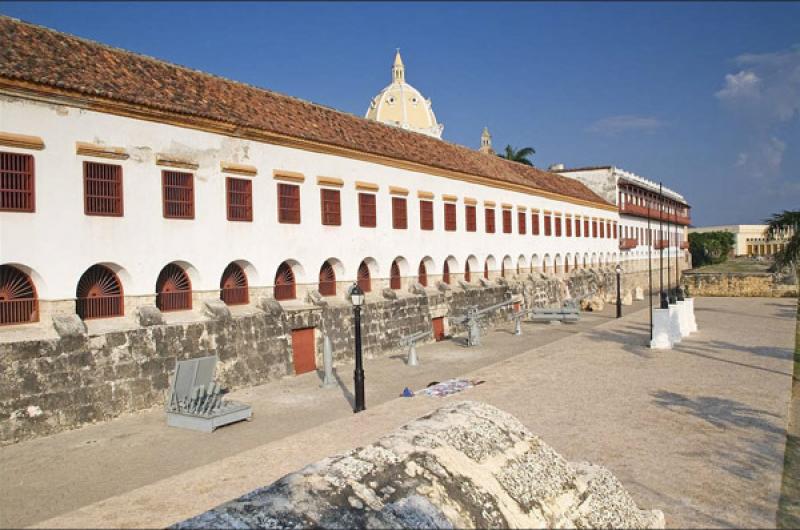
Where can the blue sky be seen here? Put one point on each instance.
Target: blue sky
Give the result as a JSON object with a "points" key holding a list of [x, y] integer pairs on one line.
{"points": [[703, 96]]}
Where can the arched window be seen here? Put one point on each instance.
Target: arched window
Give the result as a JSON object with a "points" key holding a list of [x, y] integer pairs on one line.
{"points": [[173, 289], [394, 276], [233, 285], [327, 280], [284, 283], [99, 294], [363, 279], [467, 275], [446, 273], [18, 301], [422, 274], [486, 269], [503, 269]]}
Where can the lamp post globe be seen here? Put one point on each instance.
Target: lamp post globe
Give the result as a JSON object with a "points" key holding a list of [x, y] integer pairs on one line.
{"points": [[357, 299]]}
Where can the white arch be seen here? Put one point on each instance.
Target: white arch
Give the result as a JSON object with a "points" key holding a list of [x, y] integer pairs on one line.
{"points": [[298, 271], [402, 265], [535, 263], [547, 264], [559, 265], [522, 263], [338, 268]]}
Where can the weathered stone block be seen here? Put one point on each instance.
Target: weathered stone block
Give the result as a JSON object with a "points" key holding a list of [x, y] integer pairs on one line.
{"points": [[313, 297], [149, 315], [593, 303], [389, 294], [216, 310], [69, 326]]}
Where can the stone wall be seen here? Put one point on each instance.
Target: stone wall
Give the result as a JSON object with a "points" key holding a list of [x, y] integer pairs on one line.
{"points": [[54, 384], [466, 465], [739, 284]]}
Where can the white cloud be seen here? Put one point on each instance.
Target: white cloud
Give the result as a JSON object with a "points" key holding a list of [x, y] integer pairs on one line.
{"points": [[744, 85], [614, 125]]}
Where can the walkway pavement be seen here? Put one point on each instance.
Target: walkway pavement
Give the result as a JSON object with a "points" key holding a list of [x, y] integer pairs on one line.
{"points": [[698, 432]]}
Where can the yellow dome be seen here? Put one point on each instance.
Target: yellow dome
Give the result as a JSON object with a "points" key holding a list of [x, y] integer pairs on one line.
{"points": [[402, 105]]}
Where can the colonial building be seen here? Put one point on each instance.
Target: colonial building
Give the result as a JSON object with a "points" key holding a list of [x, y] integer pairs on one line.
{"points": [[649, 213], [750, 240]]}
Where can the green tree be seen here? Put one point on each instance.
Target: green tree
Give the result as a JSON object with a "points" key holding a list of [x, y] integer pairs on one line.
{"points": [[777, 225], [709, 248], [519, 155]]}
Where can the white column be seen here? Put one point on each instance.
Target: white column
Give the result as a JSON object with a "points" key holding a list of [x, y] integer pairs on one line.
{"points": [[661, 336]]}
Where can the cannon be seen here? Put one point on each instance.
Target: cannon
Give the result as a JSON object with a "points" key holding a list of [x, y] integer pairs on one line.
{"points": [[411, 342], [471, 320]]}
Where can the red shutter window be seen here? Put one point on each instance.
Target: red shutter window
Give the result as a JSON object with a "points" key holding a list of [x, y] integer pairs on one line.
{"points": [[608, 229], [568, 226], [364, 280], [521, 222], [446, 273], [394, 276], [594, 227], [506, 221], [486, 269], [489, 213], [422, 274], [173, 289], [467, 275], [602, 229], [548, 227], [399, 213], [331, 207], [535, 223], [177, 190], [240, 199], [558, 226], [450, 216], [102, 189], [469, 215], [18, 300], [586, 228], [426, 215], [16, 183], [577, 227], [327, 280], [99, 294], [284, 283], [367, 214], [288, 203], [233, 289], [615, 230]]}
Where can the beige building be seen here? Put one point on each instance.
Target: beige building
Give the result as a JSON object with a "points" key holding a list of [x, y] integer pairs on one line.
{"points": [[749, 240]]}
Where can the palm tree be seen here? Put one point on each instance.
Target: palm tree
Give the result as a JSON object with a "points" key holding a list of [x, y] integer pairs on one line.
{"points": [[777, 224], [522, 155]]}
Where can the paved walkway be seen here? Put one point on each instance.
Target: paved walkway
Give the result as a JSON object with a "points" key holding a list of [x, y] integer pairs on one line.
{"points": [[698, 432]]}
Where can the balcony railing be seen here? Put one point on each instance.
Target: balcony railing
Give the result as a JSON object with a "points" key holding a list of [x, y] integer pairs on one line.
{"points": [[642, 211], [19, 311], [627, 243], [99, 307]]}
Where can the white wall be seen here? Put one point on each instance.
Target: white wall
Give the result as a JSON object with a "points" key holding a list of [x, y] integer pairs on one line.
{"points": [[58, 242]]}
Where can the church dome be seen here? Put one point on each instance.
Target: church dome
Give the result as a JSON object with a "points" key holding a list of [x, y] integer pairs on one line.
{"points": [[402, 105]]}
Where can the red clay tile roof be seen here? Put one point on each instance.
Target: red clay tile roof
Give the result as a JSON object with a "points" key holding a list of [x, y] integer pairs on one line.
{"points": [[42, 56]]}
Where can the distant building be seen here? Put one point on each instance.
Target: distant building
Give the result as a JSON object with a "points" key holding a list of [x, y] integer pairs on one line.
{"points": [[749, 240]]}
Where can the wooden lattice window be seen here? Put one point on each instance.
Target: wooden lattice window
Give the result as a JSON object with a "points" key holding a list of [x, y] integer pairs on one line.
{"points": [[615, 229], [486, 269], [506, 221], [446, 273], [288, 203], [18, 300], [521, 218], [327, 280], [548, 226], [363, 279], [450, 217], [422, 274], [467, 273], [102, 189], [568, 226], [367, 211], [173, 289], [594, 228], [177, 191], [577, 227], [489, 220], [602, 229], [558, 226], [331, 207], [394, 276], [535, 223], [233, 285], [585, 228], [99, 294], [469, 216], [503, 269], [284, 283], [17, 190], [239, 193], [426, 215], [399, 213]]}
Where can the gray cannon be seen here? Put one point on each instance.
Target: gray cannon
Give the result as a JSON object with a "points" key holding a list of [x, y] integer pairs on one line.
{"points": [[411, 342], [471, 321], [195, 401]]}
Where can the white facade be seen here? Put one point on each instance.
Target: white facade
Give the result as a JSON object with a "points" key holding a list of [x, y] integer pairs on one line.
{"points": [[58, 242]]}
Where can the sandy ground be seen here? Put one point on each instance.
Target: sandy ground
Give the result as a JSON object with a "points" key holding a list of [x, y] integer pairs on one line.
{"points": [[698, 432]]}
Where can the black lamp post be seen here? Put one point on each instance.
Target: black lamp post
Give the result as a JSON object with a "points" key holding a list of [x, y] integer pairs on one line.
{"points": [[619, 293], [357, 298]]}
